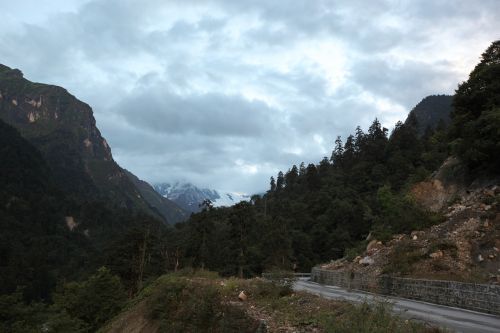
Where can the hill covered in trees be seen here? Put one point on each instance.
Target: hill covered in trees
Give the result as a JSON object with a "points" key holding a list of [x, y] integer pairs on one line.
{"points": [[317, 212], [432, 112]]}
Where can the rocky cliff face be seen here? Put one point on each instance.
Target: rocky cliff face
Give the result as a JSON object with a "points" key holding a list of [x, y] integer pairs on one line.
{"points": [[64, 130]]}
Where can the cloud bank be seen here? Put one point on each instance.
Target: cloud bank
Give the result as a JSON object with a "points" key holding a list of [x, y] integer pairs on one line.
{"points": [[226, 93]]}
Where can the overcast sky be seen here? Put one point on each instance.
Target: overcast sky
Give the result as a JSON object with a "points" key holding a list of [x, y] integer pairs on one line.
{"points": [[226, 93]]}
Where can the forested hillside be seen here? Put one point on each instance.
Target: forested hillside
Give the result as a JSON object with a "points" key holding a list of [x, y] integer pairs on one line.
{"points": [[317, 212], [63, 129], [69, 260], [49, 237], [432, 112]]}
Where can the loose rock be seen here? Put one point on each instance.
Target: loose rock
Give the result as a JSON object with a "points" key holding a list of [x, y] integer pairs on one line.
{"points": [[366, 261], [242, 296], [436, 255], [371, 245]]}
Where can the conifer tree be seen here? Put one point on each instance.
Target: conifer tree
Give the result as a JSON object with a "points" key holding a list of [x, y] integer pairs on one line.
{"points": [[337, 153]]}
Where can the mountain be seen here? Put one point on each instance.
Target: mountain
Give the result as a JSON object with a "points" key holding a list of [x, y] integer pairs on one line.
{"points": [[35, 244], [64, 130], [231, 198], [165, 207], [189, 196], [430, 111], [48, 236]]}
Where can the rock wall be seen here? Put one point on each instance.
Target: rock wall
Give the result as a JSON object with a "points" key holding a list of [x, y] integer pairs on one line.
{"points": [[477, 297]]}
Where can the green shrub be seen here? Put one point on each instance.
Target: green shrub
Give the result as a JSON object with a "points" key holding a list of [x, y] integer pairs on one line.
{"points": [[357, 250], [92, 302], [281, 281], [186, 305], [443, 246], [368, 318], [402, 258]]}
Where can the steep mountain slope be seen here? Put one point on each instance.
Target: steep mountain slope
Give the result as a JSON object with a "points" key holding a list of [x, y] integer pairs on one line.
{"points": [[47, 236], [464, 247], [64, 130], [189, 196], [35, 244], [165, 207], [430, 111]]}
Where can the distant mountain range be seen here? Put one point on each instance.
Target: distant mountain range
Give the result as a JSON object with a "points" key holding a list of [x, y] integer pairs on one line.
{"points": [[189, 196]]}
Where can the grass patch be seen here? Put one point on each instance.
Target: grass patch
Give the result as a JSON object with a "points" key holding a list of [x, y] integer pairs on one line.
{"points": [[402, 258], [444, 246], [183, 304]]}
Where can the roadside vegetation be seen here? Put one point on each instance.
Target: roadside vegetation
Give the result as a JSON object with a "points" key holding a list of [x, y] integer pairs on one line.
{"points": [[203, 302]]}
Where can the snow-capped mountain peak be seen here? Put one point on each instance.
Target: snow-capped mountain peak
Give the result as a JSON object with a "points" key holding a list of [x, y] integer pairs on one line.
{"points": [[189, 196]]}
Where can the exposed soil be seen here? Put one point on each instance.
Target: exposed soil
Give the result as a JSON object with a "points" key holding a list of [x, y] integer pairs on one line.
{"points": [[466, 247]]}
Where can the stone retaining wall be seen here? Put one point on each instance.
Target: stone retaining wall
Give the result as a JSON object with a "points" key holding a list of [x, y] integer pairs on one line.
{"points": [[477, 297]]}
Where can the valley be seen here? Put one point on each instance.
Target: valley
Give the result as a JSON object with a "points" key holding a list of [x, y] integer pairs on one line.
{"points": [[396, 220]]}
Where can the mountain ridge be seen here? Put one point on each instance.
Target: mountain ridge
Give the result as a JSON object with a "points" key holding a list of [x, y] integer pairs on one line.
{"points": [[432, 111], [189, 196], [64, 130]]}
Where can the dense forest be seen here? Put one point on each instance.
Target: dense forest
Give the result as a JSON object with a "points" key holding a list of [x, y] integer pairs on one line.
{"points": [[317, 212], [310, 214]]}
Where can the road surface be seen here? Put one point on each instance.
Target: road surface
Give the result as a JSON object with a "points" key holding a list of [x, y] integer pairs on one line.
{"points": [[458, 320]]}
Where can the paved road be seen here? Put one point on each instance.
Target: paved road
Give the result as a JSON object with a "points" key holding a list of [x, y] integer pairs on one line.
{"points": [[458, 320]]}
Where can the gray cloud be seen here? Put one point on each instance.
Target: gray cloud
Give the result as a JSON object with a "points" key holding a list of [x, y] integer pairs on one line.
{"points": [[413, 79], [225, 93], [210, 114]]}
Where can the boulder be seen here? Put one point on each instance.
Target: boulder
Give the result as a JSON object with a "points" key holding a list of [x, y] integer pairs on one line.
{"points": [[371, 245], [436, 255], [366, 261], [242, 296], [490, 193], [480, 258]]}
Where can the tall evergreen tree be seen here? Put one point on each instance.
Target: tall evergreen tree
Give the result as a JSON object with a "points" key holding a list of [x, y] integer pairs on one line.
{"points": [[280, 181], [476, 118], [337, 153], [291, 176], [272, 184]]}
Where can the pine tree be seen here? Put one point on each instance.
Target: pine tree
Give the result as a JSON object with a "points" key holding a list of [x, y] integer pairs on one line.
{"points": [[337, 153], [291, 176], [349, 151], [476, 118], [280, 181], [302, 169], [359, 140], [272, 184]]}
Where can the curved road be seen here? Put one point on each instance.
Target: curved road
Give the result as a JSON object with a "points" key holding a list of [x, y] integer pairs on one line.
{"points": [[458, 320]]}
